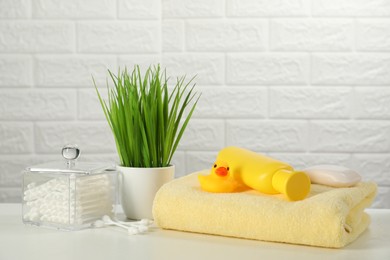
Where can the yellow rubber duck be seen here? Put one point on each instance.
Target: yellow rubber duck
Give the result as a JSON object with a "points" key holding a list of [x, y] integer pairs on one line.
{"points": [[237, 169], [220, 179]]}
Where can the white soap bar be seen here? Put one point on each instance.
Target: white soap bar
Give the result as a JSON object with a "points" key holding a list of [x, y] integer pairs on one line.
{"points": [[332, 175]]}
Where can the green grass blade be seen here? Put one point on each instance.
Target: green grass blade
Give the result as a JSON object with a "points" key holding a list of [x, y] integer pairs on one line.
{"points": [[145, 117]]}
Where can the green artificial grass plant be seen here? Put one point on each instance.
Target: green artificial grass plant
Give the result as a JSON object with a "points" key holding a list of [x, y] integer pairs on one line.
{"points": [[145, 117]]}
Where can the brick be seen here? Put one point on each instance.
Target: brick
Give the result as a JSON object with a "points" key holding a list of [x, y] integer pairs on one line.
{"points": [[351, 8], [133, 9], [267, 8], [209, 68], [172, 35], [198, 161], [16, 138], [373, 35], [73, 71], [382, 198], [109, 158], [15, 9], [119, 37], [373, 167], [11, 167], [180, 163], [228, 102], [353, 69], [234, 35], [311, 35], [302, 160], [10, 195], [371, 103], [215, 102], [189, 8], [144, 61], [15, 71], [267, 136], [202, 134], [92, 137], [310, 102], [36, 36], [37, 104], [270, 69], [89, 107], [350, 136], [85, 9]]}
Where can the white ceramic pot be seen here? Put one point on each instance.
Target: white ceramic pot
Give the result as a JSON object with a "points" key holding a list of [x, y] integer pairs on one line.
{"points": [[138, 187]]}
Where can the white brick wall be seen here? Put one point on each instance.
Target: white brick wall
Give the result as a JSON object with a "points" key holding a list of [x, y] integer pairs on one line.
{"points": [[311, 35], [304, 81], [36, 36], [267, 69], [221, 35]]}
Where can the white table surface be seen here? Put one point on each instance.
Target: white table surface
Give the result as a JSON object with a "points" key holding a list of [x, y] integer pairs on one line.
{"points": [[19, 241]]}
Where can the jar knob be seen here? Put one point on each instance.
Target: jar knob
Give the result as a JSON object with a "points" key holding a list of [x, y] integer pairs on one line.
{"points": [[70, 152]]}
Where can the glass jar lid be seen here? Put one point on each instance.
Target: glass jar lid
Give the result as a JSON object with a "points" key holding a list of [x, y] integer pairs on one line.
{"points": [[71, 153]]}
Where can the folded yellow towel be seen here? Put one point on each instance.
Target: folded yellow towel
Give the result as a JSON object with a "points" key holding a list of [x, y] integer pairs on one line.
{"points": [[328, 217]]}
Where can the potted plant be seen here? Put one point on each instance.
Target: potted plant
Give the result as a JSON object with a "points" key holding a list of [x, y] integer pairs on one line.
{"points": [[148, 119]]}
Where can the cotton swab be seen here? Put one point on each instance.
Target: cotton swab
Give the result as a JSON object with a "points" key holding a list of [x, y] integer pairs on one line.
{"points": [[132, 228], [107, 222], [142, 225], [57, 201]]}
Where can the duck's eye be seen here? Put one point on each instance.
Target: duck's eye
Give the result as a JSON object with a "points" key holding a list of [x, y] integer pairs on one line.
{"points": [[215, 165], [227, 168]]}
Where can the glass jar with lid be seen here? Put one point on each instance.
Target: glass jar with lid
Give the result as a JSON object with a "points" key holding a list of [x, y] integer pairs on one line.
{"points": [[68, 195]]}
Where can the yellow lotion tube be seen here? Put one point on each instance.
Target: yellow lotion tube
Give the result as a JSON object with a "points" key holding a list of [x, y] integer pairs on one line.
{"points": [[236, 168]]}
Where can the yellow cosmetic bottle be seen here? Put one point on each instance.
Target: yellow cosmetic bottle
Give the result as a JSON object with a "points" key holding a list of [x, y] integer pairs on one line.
{"points": [[260, 173]]}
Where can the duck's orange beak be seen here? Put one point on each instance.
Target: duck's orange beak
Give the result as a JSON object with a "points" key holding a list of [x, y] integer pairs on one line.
{"points": [[221, 171]]}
